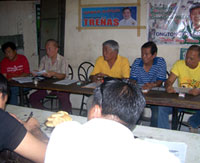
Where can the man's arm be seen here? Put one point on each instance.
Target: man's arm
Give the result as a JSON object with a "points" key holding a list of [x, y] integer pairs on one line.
{"points": [[32, 148], [169, 83], [158, 83], [97, 77], [18, 139], [194, 91], [55, 74], [33, 127], [34, 144]]}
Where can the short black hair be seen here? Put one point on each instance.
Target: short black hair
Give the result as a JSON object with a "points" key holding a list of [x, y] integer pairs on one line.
{"points": [[122, 99], [8, 45], [195, 48], [126, 8], [151, 45], [3, 85]]}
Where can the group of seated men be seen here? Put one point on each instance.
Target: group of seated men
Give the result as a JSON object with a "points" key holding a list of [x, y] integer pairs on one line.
{"points": [[148, 71], [116, 107], [17, 65], [106, 137]]}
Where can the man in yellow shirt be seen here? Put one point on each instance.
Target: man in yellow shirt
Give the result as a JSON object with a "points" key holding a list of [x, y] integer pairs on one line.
{"points": [[110, 64], [188, 74]]}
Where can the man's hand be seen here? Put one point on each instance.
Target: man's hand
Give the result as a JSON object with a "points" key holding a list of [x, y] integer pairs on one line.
{"points": [[98, 77], [31, 124], [194, 91], [170, 89], [49, 74], [34, 73], [148, 86]]}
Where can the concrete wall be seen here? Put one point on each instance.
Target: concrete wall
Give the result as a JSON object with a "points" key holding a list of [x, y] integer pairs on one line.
{"points": [[19, 18]]}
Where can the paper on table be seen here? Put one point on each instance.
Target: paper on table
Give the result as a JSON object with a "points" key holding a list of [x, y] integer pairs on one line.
{"points": [[23, 79], [182, 90], [158, 89], [66, 82], [39, 73], [177, 89], [92, 85], [179, 149]]}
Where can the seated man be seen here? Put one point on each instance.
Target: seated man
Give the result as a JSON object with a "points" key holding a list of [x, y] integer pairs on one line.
{"points": [[110, 64], [149, 71], [24, 140], [187, 72], [13, 65], [55, 66], [107, 136]]}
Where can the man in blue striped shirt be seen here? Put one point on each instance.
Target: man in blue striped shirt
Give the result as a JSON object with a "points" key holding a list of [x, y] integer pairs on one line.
{"points": [[149, 71]]}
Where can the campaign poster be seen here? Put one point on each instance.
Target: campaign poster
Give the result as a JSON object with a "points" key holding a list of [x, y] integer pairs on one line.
{"points": [[174, 21], [108, 16]]}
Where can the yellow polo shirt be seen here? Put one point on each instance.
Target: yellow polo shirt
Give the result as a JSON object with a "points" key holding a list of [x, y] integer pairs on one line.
{"points": [[187, 77], [120, 69]]}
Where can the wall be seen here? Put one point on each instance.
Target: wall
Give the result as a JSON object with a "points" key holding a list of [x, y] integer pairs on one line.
{"points": [[19, 18], [86, 45]]}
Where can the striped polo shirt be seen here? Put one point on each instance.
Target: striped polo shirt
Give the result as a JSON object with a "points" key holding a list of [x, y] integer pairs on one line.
{"points": [[157, 71]]}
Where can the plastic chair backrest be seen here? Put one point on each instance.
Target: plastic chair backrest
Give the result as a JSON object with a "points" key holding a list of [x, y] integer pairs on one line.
{"points": [[84, 71], [71, 73]]}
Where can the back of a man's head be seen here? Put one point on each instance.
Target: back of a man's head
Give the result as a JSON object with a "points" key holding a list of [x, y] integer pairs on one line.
{"points": [[121, 99]]}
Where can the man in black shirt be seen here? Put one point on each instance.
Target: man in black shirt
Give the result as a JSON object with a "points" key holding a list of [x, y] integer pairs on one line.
{"points": [[15, 135]]}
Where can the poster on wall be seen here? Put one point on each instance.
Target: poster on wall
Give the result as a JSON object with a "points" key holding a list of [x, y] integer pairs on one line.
{"points": [[174, 21], [108, 16]]}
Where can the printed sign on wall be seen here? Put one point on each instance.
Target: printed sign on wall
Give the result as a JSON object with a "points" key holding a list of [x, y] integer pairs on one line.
{"points": [[109, 16], [174, 21]]}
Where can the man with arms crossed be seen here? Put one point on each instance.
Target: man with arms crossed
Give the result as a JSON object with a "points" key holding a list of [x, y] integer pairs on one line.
{"points": [[21, 137], [149, 71], [107, 136]]}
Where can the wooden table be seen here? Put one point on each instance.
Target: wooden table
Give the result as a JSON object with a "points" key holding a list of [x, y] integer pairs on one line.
{"points": [[163, 98], [160, 98], [192, 140], [48, 84]]}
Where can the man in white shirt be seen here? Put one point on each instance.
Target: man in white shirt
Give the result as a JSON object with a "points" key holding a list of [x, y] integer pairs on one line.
{"points": [[107, 136], [127, 19]]}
